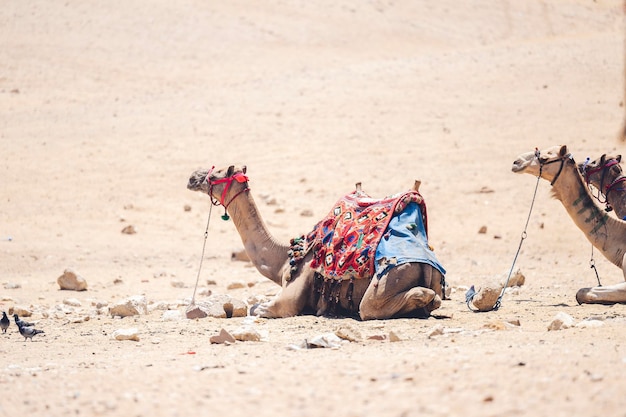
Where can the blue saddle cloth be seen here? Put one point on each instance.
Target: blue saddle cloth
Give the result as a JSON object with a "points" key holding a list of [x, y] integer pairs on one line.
{"points": [[405, 241]]}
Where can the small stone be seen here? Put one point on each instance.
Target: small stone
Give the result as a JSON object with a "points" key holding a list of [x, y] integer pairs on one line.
{"points": [[20, 311], [218, 306], [12, 286], [177, 284], [223, 338], [561, 321], [126, 334], [517, 279], [486, 297], [246, 334], [73, 302], [187, 207], [236, 285], [326, 340], [70, 280], [482, 230], [436, 330], [130, 306], [171, 315], [590, 324], [129, 230], [350, 333], [306, 213], [393, 337]]}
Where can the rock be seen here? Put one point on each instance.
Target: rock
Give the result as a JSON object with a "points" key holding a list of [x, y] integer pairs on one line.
{"points": [[70, 280], [73, 302], [436, 330], [12, 286], [236, 285], [131, 306], [561, 321], [187, 207], [171, 315], [223, 338], [220, 306], [20, 311], [590, 324], [177, 284], [394, 337], [129, 230], [326, 340], [246, 334], [482, 230], [517, 279], [486, 297], [350, 333], [126, 334]]}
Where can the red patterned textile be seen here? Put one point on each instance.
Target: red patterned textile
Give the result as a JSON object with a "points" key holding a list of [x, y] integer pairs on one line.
{"points": [[344, 242]]}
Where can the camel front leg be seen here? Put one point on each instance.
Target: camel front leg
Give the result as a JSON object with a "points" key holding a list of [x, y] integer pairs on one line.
{"points": [[292, 299], [610, 294], [398, 293]]}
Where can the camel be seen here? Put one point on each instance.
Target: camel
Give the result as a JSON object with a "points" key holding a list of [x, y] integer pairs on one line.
{"points": [[407, 290], [605, 174], [605, 232]]}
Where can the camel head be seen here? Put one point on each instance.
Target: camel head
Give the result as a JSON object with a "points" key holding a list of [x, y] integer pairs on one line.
{"points": [[223, 185], [601, 171], [547, 163]]}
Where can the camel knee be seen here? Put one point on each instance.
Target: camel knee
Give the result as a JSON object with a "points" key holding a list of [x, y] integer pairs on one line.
{"points": [[374, 306]]}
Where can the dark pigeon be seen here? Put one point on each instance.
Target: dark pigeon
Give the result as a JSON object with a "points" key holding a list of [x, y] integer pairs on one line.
{"points": [[21, 323], [29, 332], [4, 322]]}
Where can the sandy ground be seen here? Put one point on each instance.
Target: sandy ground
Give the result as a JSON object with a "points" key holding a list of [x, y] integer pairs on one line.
{"points": [[107, 107]]}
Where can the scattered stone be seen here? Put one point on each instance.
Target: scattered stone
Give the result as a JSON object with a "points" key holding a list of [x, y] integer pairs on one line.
{"points": [[500, 325], [486, 297], [172, 315], [70, 280], [211, 282], [118, 281], [561, 321], [590, 324], [20, 311], [377, 337], [126, 334], [348, 332], [236, 285], [73, 302], [246, 334], [223, 338], [482, 230], [394, 337], [437, 330], [187, 207], [131, 306], [240, 255], [218, 306], [177, 284], [12, 286], [517, 279], [129, 230], [306, 213]]}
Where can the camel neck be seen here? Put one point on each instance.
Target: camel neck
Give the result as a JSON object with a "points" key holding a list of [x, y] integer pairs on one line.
{"points": [[603, 231], [267, 255]]}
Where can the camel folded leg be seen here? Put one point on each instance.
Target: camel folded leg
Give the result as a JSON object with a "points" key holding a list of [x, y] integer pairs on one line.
{"points": [[292, 299], [403, 291], [610, 294]]}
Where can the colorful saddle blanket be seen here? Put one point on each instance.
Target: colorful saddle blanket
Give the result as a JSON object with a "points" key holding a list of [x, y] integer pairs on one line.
{"points": [[345, 242]]}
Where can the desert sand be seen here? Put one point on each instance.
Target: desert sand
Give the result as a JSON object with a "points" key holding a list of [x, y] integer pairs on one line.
{"points": [[108, 107]]}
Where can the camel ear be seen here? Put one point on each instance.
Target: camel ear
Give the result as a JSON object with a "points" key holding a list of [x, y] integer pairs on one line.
{"points": [[618, 158], [602, 160], [230, 171], [563, 150], [244, 169]]}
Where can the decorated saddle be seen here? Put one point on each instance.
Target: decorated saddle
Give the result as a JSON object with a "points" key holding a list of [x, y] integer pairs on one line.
{"points": [[362, 237]]}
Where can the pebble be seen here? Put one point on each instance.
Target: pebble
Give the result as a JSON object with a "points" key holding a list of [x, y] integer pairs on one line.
{"points": [[70, 280], [73, 302], [561, 321], [130, 306], [218, 306], [172, 315], [350, 333], [20, 311], [126, 334], [246, 334], [223, 338], [236, 285]]}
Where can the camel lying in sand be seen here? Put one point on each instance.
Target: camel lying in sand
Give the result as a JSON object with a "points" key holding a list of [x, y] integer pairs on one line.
{"points": [[404, 290], [605, 175], [605, 232]]}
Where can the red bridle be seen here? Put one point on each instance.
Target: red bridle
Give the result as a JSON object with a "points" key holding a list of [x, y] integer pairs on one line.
{"points": [[240, 177]]}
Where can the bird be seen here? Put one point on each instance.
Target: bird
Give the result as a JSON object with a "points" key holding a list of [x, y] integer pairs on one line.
{"points": [[20, 322], [29, 332], [4, 322]]}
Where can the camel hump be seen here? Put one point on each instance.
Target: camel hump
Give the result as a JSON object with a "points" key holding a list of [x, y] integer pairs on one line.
{"points": [[416, 185]]}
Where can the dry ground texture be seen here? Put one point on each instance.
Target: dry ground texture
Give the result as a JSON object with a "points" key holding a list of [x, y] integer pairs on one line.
{"points": [[106, 107]]}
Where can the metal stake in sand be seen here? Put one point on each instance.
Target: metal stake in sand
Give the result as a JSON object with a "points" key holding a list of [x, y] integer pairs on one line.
{"points": [[195, 288], [469, 295]]}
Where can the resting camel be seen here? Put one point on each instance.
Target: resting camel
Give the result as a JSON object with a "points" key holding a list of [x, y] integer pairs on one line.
{"points": [[605, 232], [605, 174], [410, 289]]}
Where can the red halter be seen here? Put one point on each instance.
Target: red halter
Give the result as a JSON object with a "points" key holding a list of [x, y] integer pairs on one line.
{"points": [[240, 177]]}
